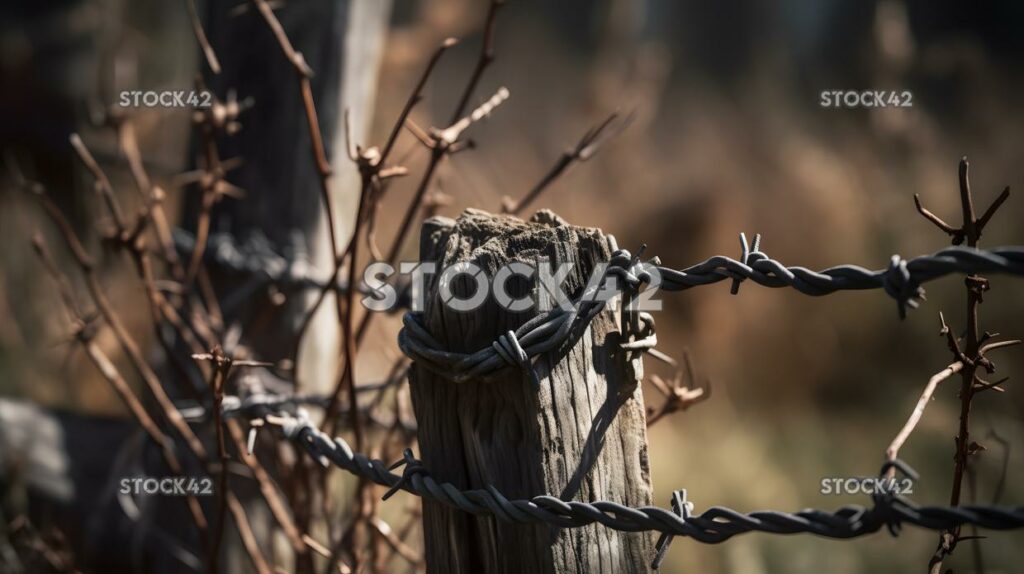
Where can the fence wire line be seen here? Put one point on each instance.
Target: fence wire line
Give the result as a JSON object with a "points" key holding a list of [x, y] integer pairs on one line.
{"points": [[259, 265], [715, 525], [256, 257], [902, 280]]}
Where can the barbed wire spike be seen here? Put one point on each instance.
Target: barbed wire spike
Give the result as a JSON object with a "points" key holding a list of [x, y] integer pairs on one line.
{"points": [[745, 259], [683, 508], [412, 466], [250, 442]]}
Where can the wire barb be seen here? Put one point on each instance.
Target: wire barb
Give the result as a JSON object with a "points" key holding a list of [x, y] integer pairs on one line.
{"points": [[683, 508]]}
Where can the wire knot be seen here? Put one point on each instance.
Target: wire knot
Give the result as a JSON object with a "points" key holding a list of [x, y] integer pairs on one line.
{"points": [[508, 348], [886, 499], [629, 268], [634, 273], [901, 285], [413, 466], [748, 256]]}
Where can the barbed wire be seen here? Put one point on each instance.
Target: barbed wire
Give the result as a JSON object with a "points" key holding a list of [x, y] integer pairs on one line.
{"points": [[715, 525], [258, 405], [256, 257], [901, 280], [260, 266]]}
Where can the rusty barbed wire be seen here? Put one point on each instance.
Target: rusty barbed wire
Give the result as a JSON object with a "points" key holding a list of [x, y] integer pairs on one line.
{"points": [[901, 280], [715, 525]]}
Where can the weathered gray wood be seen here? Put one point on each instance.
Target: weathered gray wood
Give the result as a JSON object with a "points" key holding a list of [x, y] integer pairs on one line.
{"points": [[581, 436]]}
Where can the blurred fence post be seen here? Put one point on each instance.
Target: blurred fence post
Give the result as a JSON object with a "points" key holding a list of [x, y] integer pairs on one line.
{"points": [[580, 436], [342, 42]]}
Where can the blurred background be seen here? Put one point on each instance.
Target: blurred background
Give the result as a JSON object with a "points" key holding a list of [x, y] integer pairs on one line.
{"points": [[728, 136]]}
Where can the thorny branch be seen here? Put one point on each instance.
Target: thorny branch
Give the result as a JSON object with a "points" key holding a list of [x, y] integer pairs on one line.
{"points": [[323, 167], [85, 329], [485, 59], [440, 146], [441, 142], [222, 366], [106, 311], [373, 175], [220, 117], [132, 240], [969, 351], [372, 171]]}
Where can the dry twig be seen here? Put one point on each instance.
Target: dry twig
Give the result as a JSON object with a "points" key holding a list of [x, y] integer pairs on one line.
{"points": [[585, 148]]}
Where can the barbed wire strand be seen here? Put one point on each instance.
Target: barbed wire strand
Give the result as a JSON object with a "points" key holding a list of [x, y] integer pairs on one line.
{"points": [[715, 525], [901, 280]]}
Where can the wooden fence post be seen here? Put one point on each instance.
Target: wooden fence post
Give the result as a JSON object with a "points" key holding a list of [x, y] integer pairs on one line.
{"points": [[580, 436]]}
